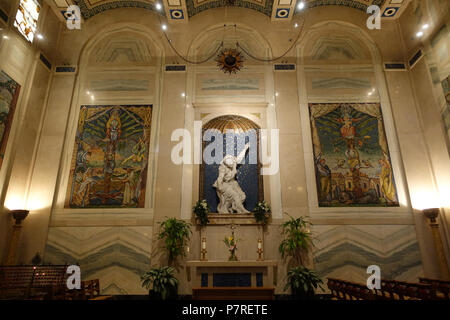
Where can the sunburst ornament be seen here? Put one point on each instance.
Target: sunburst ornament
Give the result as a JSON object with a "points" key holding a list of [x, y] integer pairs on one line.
{"points": [[230, 61]]}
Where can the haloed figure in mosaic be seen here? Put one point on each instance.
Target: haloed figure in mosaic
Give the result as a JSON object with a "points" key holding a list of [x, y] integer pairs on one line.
{"points": [[110, 164], [352, 161]]}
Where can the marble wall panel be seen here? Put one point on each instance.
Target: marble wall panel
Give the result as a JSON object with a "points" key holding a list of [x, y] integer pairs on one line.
{"points": [[118, 256], [345, 251]]}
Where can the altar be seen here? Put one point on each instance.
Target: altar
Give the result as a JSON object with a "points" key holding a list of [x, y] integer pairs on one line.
{"points": [[232, 273]]}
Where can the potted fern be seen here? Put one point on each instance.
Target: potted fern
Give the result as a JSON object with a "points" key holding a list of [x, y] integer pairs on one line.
{"points": [[161, 283], [176, 233], [296, 243]]}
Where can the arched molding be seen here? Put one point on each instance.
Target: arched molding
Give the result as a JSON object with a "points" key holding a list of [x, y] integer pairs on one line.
{"points": [[79, 97], [373, 66]]}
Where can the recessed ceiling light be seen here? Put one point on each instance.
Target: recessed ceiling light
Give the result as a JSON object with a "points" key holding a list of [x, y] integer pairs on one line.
{"points": [[301, 5], [164, 27], [183, 94], [419, 34], [158, 6], [425, 26], [40, 36], [296, 25]]}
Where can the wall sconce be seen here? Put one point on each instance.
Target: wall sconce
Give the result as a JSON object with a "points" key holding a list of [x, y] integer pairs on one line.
{"points": [[432, 215], [19, 216]]}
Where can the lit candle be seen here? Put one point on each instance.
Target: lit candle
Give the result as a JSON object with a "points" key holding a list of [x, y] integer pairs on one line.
{"points": [[259, 244], [204, 243], [187, 249]]}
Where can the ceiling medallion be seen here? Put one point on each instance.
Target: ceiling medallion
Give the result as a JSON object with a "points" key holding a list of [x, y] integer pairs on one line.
{"points": [[230, 61]]}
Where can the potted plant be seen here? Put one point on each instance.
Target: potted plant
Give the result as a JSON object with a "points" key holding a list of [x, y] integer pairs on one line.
{"points": [[303, 282], [296, 243], [201, 211], [176, 233], [161, 283], [262, 212], [297, 238]]}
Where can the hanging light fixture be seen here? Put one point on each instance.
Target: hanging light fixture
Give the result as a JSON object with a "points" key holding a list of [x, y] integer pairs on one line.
{"points": [[230, 61]]}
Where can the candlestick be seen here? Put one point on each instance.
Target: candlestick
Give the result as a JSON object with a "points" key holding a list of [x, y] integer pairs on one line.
{"points": [[203, 243], [260, 250], [203, 251]]}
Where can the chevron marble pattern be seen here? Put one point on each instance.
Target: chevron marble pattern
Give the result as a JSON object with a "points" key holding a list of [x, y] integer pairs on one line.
{"points": [[118, 256], [345, 251]]}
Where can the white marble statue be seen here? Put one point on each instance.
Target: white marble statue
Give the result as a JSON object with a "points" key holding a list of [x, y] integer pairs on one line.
{"points": [[231, 196]]}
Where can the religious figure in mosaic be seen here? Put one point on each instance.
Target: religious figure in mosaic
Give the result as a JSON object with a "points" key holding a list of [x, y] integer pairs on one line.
{"points": [[352, 160], [110, 160], [231, 196]]}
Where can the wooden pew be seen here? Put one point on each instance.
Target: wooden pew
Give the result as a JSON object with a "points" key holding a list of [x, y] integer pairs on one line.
{"points": [[233, 293], [90, 290], [390, 290], [441, 287], [346, 290], [401, 290]]}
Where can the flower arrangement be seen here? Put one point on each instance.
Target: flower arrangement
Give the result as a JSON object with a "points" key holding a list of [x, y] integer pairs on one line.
{"points": [[201, 210], [231, 244], [262, 211]]}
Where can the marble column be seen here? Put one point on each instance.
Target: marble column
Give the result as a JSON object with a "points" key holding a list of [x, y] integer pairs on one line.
{"points": [[432, 214]]}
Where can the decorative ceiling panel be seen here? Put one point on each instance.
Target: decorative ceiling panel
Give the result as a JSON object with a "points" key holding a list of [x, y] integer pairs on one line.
{"points": [[356, 4], [197, 6], [175, 8], [90, 8]]}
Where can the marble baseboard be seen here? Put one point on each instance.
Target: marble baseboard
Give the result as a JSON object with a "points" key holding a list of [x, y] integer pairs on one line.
{"points": [[345, 251], [118, 256]]}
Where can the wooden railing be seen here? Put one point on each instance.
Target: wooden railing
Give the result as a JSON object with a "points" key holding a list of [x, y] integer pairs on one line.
{"points": [[31, 282], [427, 289]]}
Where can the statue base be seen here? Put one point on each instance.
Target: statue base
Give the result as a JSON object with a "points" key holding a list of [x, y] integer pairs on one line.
{"points": [[236, 218]]}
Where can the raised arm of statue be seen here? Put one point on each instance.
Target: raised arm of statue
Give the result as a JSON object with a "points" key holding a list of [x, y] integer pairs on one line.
{"points": [[241, 156]]}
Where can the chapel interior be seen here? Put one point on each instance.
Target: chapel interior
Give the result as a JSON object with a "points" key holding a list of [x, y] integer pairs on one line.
{"points": [[111, 112]]}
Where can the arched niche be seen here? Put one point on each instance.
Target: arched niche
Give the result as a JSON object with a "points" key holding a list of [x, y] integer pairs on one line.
{"points": [[248, 175], [205, 105], [119, 70], [340, 65]]}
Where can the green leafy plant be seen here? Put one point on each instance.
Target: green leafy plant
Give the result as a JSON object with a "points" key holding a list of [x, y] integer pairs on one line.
{"points": [[303, 282], [297, 238], [176, 233], [261, 212], [161, 283], [297, 241], [201, 211]]}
